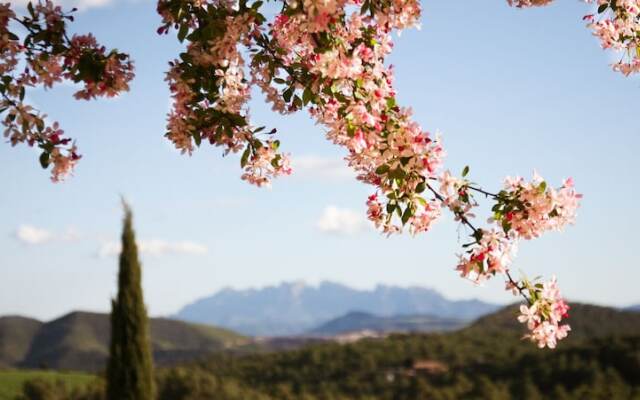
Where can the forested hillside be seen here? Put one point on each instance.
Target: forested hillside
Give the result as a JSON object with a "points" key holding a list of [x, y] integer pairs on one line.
{"points": [[487, 360]]}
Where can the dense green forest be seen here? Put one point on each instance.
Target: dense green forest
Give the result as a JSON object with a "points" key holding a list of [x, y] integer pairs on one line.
{"points": [[485, 361]]}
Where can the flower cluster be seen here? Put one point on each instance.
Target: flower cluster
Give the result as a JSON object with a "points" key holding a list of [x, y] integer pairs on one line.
{"points": [[544, 313], [528, 3], [210, 89], [491, 254], [522, 211], [315, 54], [265, 163], [345, 80], [618, 28], [50, 57], [329, 57], [532, 208], [109, 75]]}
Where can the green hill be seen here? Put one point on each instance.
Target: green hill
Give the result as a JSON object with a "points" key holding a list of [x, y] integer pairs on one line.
{"points": [[16, 335], [586, 320], [80, 341], [359, 321]]}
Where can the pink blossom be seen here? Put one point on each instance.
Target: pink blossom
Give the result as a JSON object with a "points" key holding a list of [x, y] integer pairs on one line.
{"points": [[545, 313]]}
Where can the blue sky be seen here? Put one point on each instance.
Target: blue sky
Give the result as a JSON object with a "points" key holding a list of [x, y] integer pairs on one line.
{"points": [[511, 90]]}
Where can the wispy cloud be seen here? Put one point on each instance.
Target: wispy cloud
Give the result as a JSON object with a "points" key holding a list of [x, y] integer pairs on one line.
{"points": [[34, 235], [323, 168], [341, 221], [155, 247]]}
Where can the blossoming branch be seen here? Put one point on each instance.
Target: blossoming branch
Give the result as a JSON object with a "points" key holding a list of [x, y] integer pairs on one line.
{"points": [[329, 57], [46, 55]]}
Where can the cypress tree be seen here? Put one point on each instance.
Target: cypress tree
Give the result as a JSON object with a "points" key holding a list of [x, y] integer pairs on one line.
{"points": [[130, 367]]}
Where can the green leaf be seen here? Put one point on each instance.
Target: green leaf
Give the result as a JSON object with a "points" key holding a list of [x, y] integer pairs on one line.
{"points": [[408, 213], [351, 130], [542, 187], [307, 96], [465, 171], [237, 119], [44, 160], [197, 138], [391, 102], [182, 33], [506, 226], [297, 101], [245, 157], [364, 8], [276, 161], [287, 94], [390, 208], [397, 173], [603, 8], [383, 169]]}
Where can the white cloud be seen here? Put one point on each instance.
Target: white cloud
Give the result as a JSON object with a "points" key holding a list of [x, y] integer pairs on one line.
{"points": [[324, 168], [342, 221], [155, 248], [33, 235]]}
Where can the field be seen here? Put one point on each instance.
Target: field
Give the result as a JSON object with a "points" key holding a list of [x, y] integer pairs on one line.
{"points": [[11, 380]]}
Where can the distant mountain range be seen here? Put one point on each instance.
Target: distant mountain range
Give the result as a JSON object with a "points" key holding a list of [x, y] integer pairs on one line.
{"points": [[361, 321], [633, 308], [295, 308], [80, 341]]}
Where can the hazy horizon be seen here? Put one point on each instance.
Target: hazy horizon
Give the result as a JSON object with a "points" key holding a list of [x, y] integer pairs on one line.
{"points": [[316, 285]]}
